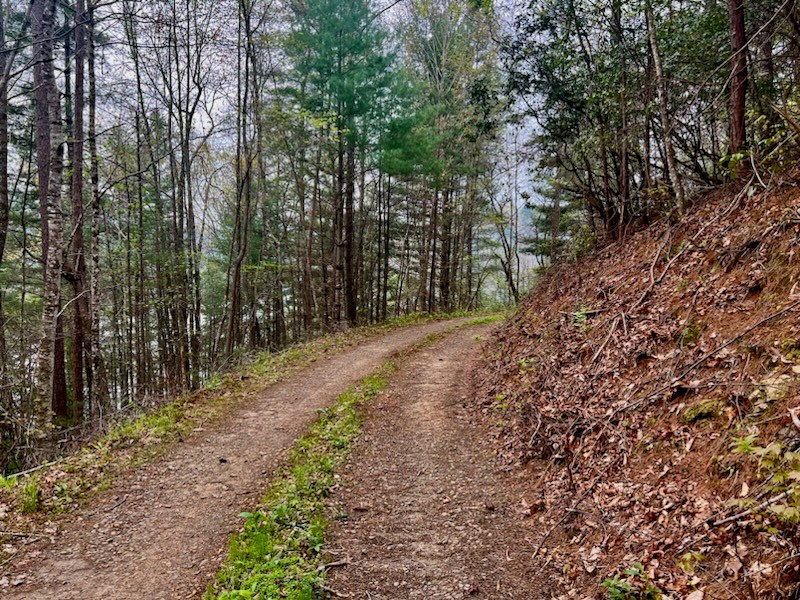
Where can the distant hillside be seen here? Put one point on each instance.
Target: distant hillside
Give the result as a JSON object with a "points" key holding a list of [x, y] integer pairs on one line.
{"points": [[647, 395]]}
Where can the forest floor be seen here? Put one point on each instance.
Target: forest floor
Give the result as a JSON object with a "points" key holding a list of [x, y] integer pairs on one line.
{"points": [[162, 531], [650, 395], [424, 512]]}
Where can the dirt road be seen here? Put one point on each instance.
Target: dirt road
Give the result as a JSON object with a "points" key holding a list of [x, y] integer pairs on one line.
{"points": [[426, 514], [162, 531]]}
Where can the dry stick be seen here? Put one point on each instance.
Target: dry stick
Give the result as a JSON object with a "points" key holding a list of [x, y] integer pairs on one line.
{"points": [[334, 592], [336, 563], [708, 355], [549, 533], [605, 343], [668, 237], [750, 511], [34, 469], [664, 272], [18, 534]]}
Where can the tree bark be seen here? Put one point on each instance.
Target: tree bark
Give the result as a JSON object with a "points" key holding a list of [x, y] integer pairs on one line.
{"points": [[98, 387], [5, 204], [738, 75], [49, 127], [350, 299], [77, 251]]}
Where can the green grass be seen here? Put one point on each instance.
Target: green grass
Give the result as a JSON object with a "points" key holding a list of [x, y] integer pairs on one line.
{"points": [[278, 554], [30, 496]]}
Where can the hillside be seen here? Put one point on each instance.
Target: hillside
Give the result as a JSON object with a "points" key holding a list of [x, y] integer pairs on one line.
{"points": [[646, 396]]}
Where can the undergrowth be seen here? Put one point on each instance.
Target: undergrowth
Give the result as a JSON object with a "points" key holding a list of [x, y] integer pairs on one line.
{"points": [[635, 585], [779, 467]]}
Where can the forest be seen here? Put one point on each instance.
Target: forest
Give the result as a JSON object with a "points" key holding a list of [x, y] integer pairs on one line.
{"points": [[186, 182]]}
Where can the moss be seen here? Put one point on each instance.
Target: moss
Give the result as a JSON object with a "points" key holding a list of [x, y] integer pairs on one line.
{"points": [[704, 409], [690, 334], [791, 349]]}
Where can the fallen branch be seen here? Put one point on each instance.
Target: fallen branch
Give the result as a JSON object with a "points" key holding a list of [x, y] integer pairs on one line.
{"points": [[752, 510], [22, 534], [733, 340], [563, 518], [337, 563], [333, 592], [34, 469]]}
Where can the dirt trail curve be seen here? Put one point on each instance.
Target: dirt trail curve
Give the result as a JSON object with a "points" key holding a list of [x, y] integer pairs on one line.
{"points": [[161, 532], [428, 515]]}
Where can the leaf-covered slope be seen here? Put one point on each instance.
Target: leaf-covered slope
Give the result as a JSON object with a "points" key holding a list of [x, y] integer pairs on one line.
{"points": [[641, 389]]}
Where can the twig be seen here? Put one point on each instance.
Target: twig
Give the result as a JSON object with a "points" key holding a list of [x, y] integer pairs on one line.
{"points": [[334, 592], [755, 171], [655, 281], [337, 563], [750, 511], [110, 508], [567, 513], [549, 533], [605, 343], [21, 534], [733, 340], [14, 533], [34, 469], [8, 560], [667, 238]]}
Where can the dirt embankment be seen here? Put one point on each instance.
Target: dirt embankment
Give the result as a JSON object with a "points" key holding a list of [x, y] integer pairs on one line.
{"points": [[639, 392]]}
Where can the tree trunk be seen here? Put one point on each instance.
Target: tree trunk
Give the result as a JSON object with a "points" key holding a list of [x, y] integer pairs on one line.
{"points": [[624, 176], [555, 224], [666, 121], [77, 252], [350, 300], [444, 258], [99, 382], [5, 207], [49, 126], [738, 75]]}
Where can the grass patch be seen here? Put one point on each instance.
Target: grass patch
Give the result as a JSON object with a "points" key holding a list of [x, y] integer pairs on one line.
{"points": [[278, 554], [30, 497]]}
